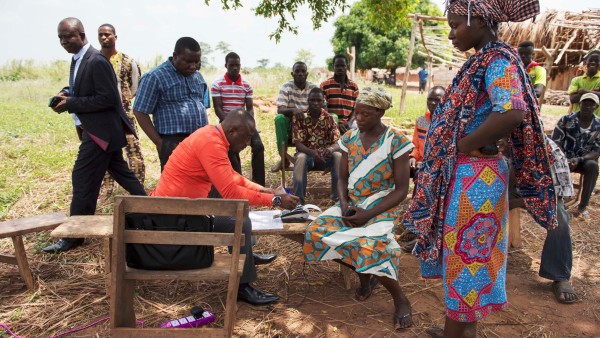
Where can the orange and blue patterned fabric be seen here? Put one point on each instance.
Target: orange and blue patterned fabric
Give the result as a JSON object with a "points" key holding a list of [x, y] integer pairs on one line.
{"points": [[371, 248]]}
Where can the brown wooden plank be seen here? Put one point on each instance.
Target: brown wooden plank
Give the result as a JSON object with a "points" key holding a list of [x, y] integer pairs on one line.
{"points": [[288, 228], [168, 333], [121, 290], [22, 263], [22, 226], [178, 237], [181, 206], [8, 259], [219, 270], [93, 226], [514, 228]]}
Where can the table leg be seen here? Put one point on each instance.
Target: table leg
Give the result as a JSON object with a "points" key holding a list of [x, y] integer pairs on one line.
{"points": [[347, 275], [514, 228], [107, 265], [22, 263]]}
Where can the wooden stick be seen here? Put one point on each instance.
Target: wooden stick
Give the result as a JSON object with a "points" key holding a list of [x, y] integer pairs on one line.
{"points": [[283, 152]]}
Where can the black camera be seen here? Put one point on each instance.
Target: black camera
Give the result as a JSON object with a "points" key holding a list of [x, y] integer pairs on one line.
{"points": [[53, 102]]}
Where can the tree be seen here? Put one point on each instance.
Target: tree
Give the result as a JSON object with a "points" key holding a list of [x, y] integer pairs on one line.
{"points": [[224, 48], [305, 55], [206, 51], [262, 63], [385, 14], [381, 42]]}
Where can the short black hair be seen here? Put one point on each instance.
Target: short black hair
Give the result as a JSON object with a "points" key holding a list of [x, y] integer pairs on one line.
{"points": [[297, 63], [339, 56], [592, 52], [186, 43], [316, 90], [231, 55], [109, 26], [526, 44], [434, 88]]}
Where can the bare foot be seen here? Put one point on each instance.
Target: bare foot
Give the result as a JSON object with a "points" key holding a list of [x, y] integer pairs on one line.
{"points": [[403, 316]]}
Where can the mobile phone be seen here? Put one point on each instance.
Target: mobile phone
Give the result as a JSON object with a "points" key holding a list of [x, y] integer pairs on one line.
{"points": [[350, 212]]}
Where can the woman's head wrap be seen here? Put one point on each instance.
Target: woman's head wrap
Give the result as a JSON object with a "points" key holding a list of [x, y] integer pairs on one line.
{"points": [[495, 11], [375, 97]]}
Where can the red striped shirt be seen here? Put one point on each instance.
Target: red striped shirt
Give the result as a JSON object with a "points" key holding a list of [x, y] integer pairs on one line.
{"points": [[232, 93]]}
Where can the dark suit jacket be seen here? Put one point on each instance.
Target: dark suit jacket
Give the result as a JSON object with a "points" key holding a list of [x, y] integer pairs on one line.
{"points": [[97, 103]]}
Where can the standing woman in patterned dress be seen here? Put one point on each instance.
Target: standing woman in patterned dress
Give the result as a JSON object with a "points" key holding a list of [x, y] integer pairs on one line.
{"points": [[459, 209], [358, 232]]}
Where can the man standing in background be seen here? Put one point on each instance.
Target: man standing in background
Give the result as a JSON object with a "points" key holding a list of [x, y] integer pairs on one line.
{"points": [[231, 92], [128, 76], [174, 93], [537, 73]]}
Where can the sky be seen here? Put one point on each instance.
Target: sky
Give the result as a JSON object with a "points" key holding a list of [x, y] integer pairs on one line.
{"points": [[150, 28]]}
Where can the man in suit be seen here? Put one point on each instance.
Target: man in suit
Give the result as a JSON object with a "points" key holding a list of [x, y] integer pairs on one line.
{"points": [[94, 98]]}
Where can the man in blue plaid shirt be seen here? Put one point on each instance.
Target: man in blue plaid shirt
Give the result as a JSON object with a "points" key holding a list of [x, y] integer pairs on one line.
{"points": [[176, 94]]}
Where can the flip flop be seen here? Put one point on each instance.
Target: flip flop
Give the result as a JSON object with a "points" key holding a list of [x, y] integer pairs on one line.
{"points": [[360, 293], [558, 288]]}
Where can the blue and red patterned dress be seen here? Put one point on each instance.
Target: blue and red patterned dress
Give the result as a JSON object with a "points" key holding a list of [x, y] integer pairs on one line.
{"points": [[459, 207]]}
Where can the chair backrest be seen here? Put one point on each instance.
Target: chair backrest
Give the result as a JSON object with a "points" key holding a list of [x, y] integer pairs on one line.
{"points": [[123, 278]]}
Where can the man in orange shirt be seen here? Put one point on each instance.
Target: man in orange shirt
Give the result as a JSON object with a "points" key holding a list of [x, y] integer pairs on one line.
{"points": [[434, 97], [201, 161]]}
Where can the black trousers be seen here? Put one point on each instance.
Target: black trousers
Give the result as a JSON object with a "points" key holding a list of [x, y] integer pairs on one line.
{"points": [[258, 160], [589, 169], [91, 164], [170, 142], [227, 224]]}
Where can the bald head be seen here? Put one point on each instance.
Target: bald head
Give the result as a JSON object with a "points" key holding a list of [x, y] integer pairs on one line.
{"points": [[71, 34], [238, 126]]}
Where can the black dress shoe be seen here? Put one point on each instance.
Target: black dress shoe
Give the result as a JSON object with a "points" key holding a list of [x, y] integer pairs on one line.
{"points": [[254, 296], [63, 244], [263, 259]]}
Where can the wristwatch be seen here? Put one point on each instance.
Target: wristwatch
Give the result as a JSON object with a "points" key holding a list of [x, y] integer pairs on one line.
{"points": [[276, 201]]}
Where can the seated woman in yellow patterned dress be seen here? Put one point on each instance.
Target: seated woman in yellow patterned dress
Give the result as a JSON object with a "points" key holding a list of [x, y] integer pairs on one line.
{"points": [[358, 232]]}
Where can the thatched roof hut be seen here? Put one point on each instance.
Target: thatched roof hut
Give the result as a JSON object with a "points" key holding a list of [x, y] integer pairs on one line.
{"points": [[561, 39]]}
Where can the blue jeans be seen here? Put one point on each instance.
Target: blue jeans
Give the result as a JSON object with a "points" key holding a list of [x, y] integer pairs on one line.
{"points": [[304, 163], [557, 254]]}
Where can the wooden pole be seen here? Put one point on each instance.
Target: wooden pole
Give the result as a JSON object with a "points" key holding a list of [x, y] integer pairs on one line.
{"points": [[408, 59], [352, 55], [283, 153]]}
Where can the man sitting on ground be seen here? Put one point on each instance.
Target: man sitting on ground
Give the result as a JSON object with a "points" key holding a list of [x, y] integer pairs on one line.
{"points": [[201, 161], [292, 101], [434, 97], [315, 137], [578, 135], [537, 73]]}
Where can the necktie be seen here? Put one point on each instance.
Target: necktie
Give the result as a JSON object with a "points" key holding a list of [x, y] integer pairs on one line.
{"points": [[72, 74]]}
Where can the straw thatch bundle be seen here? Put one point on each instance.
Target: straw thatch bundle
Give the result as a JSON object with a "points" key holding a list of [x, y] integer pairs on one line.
{"points": [[567, 36]]}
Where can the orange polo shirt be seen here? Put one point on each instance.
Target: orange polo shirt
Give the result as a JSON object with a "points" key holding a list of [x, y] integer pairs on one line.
{"points": [[419, 134], [201, 161]]}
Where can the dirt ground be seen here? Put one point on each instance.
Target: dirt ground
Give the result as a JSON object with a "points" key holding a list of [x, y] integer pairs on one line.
{"points": [[70, 293], [314, 302]]}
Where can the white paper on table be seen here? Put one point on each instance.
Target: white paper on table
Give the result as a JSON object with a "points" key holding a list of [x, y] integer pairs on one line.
{"points": [[263, 220]]}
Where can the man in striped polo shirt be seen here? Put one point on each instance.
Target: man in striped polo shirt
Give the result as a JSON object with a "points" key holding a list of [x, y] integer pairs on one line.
{"points": [[340, 93], [229, 93], [292, 101]]}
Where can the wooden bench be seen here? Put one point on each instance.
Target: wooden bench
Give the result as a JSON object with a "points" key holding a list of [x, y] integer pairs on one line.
{"points": [[101, 226], [16, 228]]}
